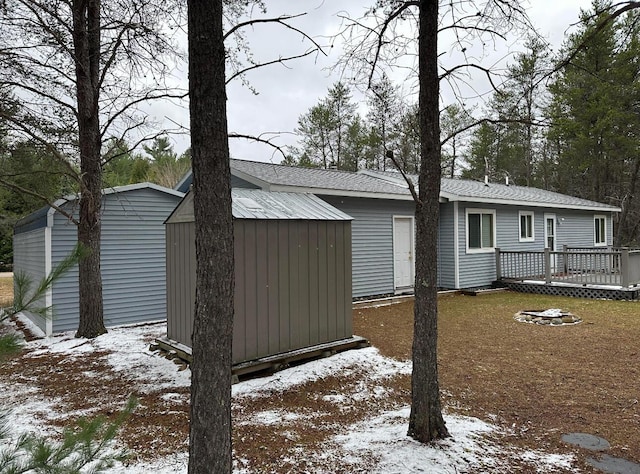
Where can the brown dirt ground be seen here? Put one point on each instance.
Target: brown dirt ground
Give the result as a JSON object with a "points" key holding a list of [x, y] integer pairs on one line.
{"points": [[536, 382]]}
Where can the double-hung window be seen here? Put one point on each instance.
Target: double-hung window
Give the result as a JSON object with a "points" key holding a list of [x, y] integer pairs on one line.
{"points": [[481, 230], [527, 233], [600, 231]]}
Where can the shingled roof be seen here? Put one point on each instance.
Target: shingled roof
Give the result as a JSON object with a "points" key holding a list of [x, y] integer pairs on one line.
{"points": [[391, 185], [499, 193], [274, 177]]}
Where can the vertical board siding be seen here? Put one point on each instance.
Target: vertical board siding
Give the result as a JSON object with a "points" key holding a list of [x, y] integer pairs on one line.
{"points": [[372, 241], [132, 260], [239, 327], [29, 259], [180, 281], [292, 285]]}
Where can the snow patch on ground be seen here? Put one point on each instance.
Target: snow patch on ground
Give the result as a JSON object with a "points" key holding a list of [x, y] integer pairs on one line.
{"points": [[382, 438], [366, 361]]}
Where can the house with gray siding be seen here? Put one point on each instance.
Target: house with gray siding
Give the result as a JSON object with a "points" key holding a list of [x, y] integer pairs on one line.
{"points": [[292, 257], [475, 219], [132, 255]]}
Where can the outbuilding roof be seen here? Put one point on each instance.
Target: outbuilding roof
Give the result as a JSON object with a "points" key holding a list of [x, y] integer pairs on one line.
{"points": [[38, 219], [258, 204]]}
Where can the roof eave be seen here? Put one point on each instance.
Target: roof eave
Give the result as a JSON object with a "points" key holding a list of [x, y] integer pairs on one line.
{"points": [[515, 202], [340, 192]]}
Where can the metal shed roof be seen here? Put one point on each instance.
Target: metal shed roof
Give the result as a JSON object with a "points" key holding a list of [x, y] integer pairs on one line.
{"points": [[258, 204]]}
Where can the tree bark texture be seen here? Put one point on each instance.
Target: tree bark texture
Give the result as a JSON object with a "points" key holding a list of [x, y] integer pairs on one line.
{"points": [[86, 43], [425, 421], [210, 429]]}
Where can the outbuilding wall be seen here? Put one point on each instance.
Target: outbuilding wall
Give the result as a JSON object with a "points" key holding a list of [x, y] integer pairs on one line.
{"points": [[292, 287], [29, 258], [132, 259]]}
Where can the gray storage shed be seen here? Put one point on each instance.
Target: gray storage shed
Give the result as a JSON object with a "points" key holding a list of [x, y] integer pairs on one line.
{"points": [[132, 255], [292, 273]]}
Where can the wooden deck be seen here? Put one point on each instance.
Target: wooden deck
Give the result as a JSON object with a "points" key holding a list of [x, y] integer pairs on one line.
{"points": [[570, 287], [597, 273]]}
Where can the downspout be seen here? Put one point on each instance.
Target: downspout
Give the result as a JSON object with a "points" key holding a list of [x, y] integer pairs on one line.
{"points": [[456, 247], [48, 256]]}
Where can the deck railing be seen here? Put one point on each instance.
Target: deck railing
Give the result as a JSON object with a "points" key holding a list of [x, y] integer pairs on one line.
{"points": [[583, 266]]}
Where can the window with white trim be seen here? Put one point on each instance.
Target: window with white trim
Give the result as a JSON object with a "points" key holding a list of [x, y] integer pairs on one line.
{"points": [[527, 232], [600, 231], [481, 230]]}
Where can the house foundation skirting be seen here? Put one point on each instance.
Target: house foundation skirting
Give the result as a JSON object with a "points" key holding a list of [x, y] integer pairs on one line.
{"points": [[576, 291]]}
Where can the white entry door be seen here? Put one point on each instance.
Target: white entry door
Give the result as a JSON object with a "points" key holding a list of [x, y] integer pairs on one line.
{"points": [[403, 251], [550, 237]]}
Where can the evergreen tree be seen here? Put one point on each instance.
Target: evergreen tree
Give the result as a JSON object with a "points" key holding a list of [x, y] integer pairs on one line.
{"points": [[123, 166], [329, 132], [385, 114], [166, 168], [595, 117], [408, 151], [453, 119]]}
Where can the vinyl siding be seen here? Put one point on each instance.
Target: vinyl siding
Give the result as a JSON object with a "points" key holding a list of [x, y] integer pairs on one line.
{"points": [[372, 241], [446, 246], [132, 260], [29, 258], [573, 228]]}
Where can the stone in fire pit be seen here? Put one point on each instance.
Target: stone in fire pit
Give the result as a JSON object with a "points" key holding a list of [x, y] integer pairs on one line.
{"points": [[548, 317]]}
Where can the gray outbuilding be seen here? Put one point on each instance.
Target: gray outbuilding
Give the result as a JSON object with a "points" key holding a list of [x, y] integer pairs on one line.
{"points": [[132, 255], [292, 274]]}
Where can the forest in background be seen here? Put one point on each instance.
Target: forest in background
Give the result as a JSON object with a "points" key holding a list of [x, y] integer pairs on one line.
{"points": [[26, 166], [570, 127]]}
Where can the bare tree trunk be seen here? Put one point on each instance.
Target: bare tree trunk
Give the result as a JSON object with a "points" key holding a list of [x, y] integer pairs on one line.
{"points": [[86, 42], [425, 421], [210, 430]]}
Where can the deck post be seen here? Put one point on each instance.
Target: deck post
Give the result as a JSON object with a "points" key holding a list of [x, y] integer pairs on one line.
{"points": [[624, 267], [547, 265], [498, 266], [565, 264]]}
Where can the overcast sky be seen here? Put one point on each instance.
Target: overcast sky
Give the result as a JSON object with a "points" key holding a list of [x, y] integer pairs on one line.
{"points": [[284, 93]]}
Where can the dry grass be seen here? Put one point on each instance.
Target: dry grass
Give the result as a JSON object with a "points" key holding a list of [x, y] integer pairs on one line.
{"points": [[6, 292], [536, 382], [541, 381]]}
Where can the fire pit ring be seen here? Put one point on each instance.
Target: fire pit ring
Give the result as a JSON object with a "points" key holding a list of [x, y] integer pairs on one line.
{"points": [[547, 317]]}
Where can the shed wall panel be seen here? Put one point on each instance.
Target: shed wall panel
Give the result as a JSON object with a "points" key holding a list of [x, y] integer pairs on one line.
{"points": [[132, 260], [288, 294], [241, 183], [29, 255]]}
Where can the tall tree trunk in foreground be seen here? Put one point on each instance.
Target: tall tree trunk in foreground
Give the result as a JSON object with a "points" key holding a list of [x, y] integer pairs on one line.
{"points": [[425, 421], [86, 43], [210, 430]]}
